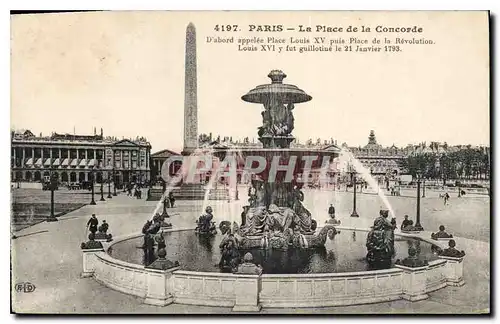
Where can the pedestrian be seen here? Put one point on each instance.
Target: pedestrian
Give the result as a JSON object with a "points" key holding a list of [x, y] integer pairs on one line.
{"points": [[171, 198], [92, 224], [446, 198], [331, 211]]}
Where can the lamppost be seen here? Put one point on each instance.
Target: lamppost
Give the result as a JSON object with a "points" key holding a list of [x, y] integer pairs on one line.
{"points": [[53, 184], [423, 188], [92, 202], [102, 188], [109, 185], [114, 183], [352, 171], [459, 189], [418, 226]]}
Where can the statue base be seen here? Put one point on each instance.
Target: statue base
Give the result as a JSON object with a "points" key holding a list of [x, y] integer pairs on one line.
{"points": [[283, 240], [103, 237], [276, 141], [333, 222]]}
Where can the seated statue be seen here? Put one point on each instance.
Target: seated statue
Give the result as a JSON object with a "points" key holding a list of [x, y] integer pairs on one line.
{"points": [[248, 267], [162, 263], [104, 227], [410, 227], [451, 251], [102, 235], [255, 221], [91, 243], [282, 217], [205, 224], [412, 260], [441, 234]]}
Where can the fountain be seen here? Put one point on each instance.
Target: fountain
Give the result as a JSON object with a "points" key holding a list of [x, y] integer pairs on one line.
{"points": [[275, 203]]}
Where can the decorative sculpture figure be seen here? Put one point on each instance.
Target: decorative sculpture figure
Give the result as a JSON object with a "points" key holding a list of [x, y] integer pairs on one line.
{"points": [[451, 251], [441, 234], [412, 260], [248, 267], [205, 224], [102, 234], [380, 242], [91, 243]]}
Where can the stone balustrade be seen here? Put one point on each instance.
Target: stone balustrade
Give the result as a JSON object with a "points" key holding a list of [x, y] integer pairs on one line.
{"points": [[155, 286], [251, 292]]}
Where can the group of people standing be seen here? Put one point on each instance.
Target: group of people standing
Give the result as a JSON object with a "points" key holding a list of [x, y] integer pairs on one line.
{"points": [[134, 190]]}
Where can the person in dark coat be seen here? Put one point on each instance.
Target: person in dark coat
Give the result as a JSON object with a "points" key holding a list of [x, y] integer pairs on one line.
{"points": [[331, 211], [92, 224]]}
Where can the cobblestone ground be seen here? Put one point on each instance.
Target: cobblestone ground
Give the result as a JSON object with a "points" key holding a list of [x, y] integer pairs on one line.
{"points": [[48, 254]]}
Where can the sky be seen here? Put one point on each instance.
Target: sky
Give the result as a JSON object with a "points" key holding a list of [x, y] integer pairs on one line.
{"points": [[124, 72]]}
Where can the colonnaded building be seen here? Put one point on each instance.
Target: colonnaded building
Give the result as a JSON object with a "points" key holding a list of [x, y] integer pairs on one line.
{"points": [[73, 158]]}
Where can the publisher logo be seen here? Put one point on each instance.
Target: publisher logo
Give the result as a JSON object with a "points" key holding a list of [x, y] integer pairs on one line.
{"points": [[25, 287]]}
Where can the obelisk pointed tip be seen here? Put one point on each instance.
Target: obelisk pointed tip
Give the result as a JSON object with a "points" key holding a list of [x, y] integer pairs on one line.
{"points": [[190, 26]]}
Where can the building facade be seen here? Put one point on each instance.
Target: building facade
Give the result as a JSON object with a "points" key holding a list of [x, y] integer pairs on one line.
{"points": [[157, 160], [75, 158], [379, 160]]}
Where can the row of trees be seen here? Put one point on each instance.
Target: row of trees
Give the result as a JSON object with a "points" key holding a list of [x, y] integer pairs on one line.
{"points": [[464, 163]]}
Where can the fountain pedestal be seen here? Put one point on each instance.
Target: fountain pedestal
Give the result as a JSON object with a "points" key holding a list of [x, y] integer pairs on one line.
{"points": [[275, 198], [414, 283], [246, 290]]}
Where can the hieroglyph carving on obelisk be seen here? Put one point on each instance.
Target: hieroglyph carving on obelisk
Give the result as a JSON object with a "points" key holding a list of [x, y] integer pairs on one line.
{"points": [[190, 93]]}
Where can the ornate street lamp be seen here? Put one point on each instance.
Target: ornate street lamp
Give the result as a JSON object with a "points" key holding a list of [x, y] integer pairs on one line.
{"points": [[423, 188], [102, 184], [114, 182], [102, 188], [52, 186], [418, 226], [92, 202], [109, 184], [352, 171]]}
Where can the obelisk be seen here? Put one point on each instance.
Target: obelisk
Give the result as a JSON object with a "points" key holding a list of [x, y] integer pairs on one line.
{"points": [[190, 93]]}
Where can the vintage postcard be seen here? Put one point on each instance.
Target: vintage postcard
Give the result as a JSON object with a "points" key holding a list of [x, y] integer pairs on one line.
{"points": [[250, 162]]}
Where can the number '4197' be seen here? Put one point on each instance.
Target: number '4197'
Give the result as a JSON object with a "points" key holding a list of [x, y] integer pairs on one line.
{"points": [[225, 28]]}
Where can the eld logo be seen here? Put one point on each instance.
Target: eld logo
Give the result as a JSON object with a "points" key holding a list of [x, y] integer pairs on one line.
{"points": [[25, 287]]}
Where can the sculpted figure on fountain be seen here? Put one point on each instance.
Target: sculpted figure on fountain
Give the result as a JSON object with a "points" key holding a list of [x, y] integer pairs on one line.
{"points": [[205, 224], [380, 241]]}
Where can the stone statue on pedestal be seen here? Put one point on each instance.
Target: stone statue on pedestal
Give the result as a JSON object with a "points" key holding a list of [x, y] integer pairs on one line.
{"points": [[162, 263], [451, 251], [412, 260], [248, 267], [91, 243], [205, 224], [380, 241], [441, 234]]}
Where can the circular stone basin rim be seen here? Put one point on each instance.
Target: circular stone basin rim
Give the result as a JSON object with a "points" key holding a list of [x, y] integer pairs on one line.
{"points": [[284, 275]]}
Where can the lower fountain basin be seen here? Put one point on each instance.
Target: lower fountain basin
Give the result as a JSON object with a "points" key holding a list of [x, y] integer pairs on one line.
{"points": [[345, 253]]}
